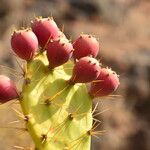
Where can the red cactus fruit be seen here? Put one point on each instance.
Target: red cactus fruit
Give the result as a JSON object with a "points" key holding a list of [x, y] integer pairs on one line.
{"points": [[24, 43], [58, 52], [85, 70], [85, 45], [105, 84], [45, 29], [8, 90]]}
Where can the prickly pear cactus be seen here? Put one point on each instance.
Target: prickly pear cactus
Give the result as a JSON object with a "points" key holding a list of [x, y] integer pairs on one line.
{"points": [[58, 113], [56, 104]]}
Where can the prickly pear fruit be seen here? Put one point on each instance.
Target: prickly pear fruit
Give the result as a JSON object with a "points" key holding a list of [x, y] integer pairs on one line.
{"points": [[85, 70], [45, 29], [8, 90], [105, 84], [58, 52], [85, 45], [28, 44]]}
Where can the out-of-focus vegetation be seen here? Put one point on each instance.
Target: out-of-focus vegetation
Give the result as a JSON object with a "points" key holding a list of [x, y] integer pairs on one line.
{"points": [[123, 29]]}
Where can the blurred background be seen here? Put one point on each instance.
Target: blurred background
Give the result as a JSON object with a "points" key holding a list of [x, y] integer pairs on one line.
{"points": [[123, 30]]}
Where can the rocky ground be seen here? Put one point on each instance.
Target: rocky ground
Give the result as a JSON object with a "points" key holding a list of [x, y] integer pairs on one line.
{"points": [[123, 30]]}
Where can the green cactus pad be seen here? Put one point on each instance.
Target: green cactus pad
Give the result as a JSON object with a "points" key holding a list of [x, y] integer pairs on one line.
{"points": [[58, 114]]}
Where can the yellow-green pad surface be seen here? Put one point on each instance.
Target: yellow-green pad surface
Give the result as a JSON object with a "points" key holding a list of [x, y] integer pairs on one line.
{"points": [[59, 113]]}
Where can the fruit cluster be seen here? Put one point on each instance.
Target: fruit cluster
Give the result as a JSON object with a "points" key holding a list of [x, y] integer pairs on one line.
{"points": [[44, 42], [46, 35]]}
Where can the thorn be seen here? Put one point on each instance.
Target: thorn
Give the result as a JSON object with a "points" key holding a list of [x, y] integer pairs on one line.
{"points": [[51, 40], [39, 17], [75, 143], [99, 60], [59, 93], [51, 15], [82, 33], [22, 69], [27, 81], [95, 107], [52, 18], [63, 28], [15, 31], [96, 136], [98, 39], [80, 37], [76, 113], [97, 120], [22, 148], [92, 132], [97, 91], [26, 118], [20, 96], [28, 29], [116, 96], [61, 127], [19, 147], [13, 71], [15, 121], [63, 44], [89, 132], [98, 132], [70, 116], [113, 97], [34, 16], [43, 138], [58, 40], [100, 112], [48, 102], [23, 117], [96, 71], [70, 40], [107, 75], [22, 28], [16, 128], [76, 60], [71, 50], [90, 55], [18, 113], [96, 81]]}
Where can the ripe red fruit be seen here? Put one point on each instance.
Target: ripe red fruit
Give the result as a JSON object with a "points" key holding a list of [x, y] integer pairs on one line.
{"points": [[85, 45], [8, 90], [85, 70], [45, 29], [58, 52], [24, 43], [107, 82]]}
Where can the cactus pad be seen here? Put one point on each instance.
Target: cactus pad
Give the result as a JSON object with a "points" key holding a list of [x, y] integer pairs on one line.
{"points": [[58, 114]]}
